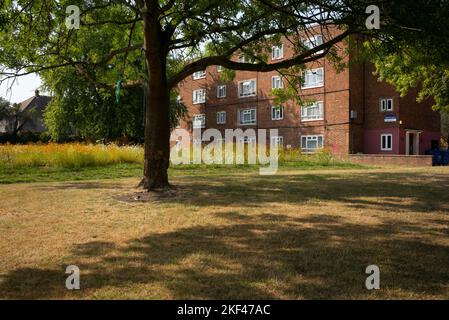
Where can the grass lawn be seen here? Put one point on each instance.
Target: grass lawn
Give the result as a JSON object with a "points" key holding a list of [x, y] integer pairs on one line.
{"points": [[48, 174], [10, 175], [228, 234]]}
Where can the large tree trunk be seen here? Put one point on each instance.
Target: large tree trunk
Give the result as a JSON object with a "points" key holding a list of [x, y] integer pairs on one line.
{"points": [[157, 127], [157, 137]]}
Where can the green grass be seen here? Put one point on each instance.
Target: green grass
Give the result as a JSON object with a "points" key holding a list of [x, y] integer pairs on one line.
{"points": [[10, 175], [71, 162], [47, 174]]}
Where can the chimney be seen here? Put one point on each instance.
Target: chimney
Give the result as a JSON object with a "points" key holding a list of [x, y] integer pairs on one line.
{"points": [[36, 93]]}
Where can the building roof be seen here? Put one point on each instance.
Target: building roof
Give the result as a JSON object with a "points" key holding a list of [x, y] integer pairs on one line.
{"points": [[38, 102]]}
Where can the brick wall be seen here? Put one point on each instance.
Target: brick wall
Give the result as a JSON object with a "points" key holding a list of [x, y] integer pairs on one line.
{"points": [[416, 115], [334, 94], [391, 160], [353, 89]]}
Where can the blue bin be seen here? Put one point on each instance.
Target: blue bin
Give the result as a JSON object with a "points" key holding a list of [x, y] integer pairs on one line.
{"points": [[439, 157], [445, 158]]}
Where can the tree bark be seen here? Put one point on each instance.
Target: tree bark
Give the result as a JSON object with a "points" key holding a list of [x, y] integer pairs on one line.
{"points": [[157, 125]]}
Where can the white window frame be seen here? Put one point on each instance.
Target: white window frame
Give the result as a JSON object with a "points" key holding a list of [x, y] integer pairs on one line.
{"points": [[312, 42], [275, 81], [279, 140], [243, 58], [277, 113], [178, 145], [199, 121], [220, 141], [384, 104], [306, 149], [178, 124], [277, 52], [386, 136], [221, 117], [219, 87], [313, 72], [248, 140], [250, 111], [195, 99], [199, 75], [251, 94], [306, 118]]}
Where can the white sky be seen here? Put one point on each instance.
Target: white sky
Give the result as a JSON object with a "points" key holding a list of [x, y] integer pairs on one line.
{"points": [[22, 89]]}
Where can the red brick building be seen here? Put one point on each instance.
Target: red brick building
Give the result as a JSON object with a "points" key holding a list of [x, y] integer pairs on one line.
{"points": [[348, 111]]}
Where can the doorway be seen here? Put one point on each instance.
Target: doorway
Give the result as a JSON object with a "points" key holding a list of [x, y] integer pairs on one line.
{"points": [[412, 142]]}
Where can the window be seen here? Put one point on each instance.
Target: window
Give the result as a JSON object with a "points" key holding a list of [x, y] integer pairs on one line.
{"points": [[312, 112], [386, 104], [248, 140], [219, 68], [277, 140], [277, 52], [313, 42], [199, 121], [277, 113], [386, 142], [221, 117], [199, 75], [220, 141], [247, 88], [221, 91], [310, 144], [199, 96], [247, 116], [243, 58], [313, 78], [276, 82]]}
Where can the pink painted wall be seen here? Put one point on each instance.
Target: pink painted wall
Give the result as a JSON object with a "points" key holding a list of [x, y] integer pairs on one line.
{"points": [[372, 141], [425, 140]]}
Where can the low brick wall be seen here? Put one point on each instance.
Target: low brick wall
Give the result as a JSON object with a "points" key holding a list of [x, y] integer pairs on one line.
{"points": [[391, 160]]}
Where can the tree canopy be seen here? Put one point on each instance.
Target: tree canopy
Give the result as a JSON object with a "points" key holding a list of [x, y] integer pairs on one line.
{"points": [[416, 66], [4, 109], [158, 43]]}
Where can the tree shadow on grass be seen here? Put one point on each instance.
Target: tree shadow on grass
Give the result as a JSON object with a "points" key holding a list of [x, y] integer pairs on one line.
{"points": [[85, 185], [255, 257], [271, 255], [380, 191]]}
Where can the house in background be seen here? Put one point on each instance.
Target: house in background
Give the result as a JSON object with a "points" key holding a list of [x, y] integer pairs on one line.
{"points": [[352, 112], [29, 118]]}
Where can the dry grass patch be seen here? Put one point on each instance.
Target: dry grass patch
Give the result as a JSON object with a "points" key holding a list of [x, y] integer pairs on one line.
{"points": [[297, 235]]}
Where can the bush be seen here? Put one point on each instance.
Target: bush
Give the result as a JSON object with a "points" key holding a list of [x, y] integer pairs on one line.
{"points": [[24, 138]]}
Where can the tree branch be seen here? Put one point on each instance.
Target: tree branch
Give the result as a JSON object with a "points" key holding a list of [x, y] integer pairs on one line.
{"points": [[223, 60]]}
